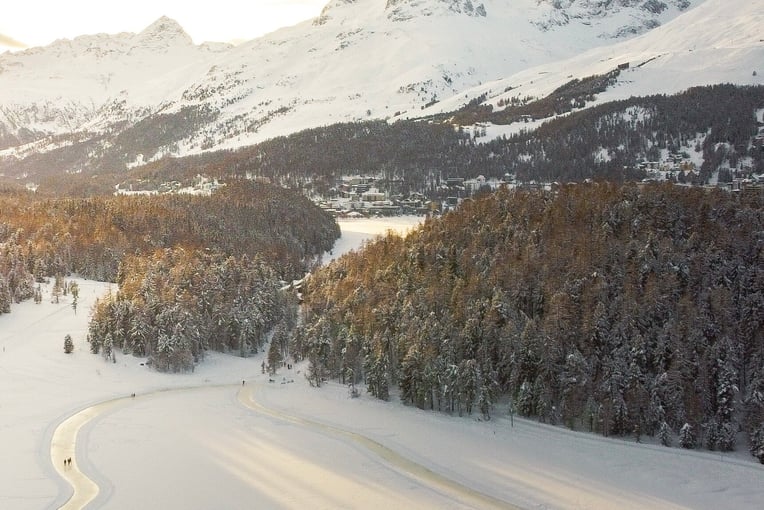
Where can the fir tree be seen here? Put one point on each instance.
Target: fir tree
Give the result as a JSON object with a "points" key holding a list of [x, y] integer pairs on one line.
{"points": [[686, 436], [757, 443], [75, 290], [664, 434], [5, 296], [68, 344]]}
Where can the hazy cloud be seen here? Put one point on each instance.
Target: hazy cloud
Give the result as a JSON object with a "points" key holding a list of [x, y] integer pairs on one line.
{"points": [[11, 42]]}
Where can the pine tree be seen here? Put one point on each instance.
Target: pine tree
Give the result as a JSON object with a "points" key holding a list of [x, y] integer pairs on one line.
{"points": [[108, 346], [468, 383], [526, 404], [5, 296], [275, 359], [686, 436], [68, 344], [726, 389], [664, 434], [757, 443], [376, 368], [55, 294], [75, 290], [486, 394], [412, 377]]}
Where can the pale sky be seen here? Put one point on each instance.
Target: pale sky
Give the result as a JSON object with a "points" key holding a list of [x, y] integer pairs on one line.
{"points": [[38, 23]]}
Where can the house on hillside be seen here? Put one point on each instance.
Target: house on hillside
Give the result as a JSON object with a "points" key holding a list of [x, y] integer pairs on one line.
{"points": [[450, 203], [373, 195]]}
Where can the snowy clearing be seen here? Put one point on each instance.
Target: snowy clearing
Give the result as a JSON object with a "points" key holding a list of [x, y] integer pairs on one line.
{"points": [[300, 447]]}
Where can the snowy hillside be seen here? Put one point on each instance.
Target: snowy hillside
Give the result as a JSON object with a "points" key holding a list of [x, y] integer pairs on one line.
{"points": [[717, 42], [359, 59]]}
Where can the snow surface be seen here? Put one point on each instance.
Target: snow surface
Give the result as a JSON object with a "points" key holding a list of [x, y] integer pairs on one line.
{"points": [[199, 447], [357, 231]]}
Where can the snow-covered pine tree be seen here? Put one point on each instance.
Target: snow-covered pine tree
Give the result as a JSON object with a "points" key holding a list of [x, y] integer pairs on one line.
{"points": [[412, 377], [757, 443], [449, 385], [664, 434], [277, 348], [486, 393], [376, 367], [5, 296], [68, 344], [686, 436], [55, 294], [75, 290], [526, 405], [468, 383]]}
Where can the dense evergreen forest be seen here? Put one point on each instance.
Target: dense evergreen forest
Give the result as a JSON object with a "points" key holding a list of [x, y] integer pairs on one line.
{"points": [[176, 258], [619, 310], [174, 306]]}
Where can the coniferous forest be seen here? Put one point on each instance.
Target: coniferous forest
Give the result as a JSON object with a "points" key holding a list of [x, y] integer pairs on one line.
{"points": [[194, 272], [619, 310]]}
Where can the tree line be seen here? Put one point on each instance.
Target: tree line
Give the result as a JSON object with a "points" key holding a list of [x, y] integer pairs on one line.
{"points": [[230, 250], [616, 309], [91, 236]]}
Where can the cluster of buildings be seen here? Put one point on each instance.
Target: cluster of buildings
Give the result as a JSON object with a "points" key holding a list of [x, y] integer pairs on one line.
{"points": [[356, 196], [676, 166], [360, 197], [200, 186]]}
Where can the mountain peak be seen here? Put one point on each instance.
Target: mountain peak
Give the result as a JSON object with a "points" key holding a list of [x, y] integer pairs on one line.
{"points": [[633, 16], [401, 10], [330, 8], [162, 33]]}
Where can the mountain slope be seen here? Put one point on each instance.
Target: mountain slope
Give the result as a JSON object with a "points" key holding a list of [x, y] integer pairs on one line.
{"points": [[361, 59], [75, 79], [717, 42]]}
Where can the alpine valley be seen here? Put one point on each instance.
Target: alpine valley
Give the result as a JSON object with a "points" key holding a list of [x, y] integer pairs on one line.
{"points": [[109, 103], [203, 204]]}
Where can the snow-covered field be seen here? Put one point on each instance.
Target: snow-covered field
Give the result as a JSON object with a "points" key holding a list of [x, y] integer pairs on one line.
{"points": [[214, 442]]}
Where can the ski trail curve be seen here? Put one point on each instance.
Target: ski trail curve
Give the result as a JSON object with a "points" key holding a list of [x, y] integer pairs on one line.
{"points": [[63, 446], [411, 468]]}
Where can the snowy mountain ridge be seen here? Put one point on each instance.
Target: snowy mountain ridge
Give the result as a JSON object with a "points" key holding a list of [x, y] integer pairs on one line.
{"points": [[718, 42], [636, 16], [359, 60]]}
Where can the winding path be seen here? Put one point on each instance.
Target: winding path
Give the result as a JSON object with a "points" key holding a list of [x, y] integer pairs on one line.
{"points": [[85, 490], [63, 446]]}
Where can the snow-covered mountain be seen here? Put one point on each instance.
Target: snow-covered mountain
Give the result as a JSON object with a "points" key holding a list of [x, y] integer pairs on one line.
{"points": [[720, 41], [360, 59], [616, 17]]}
